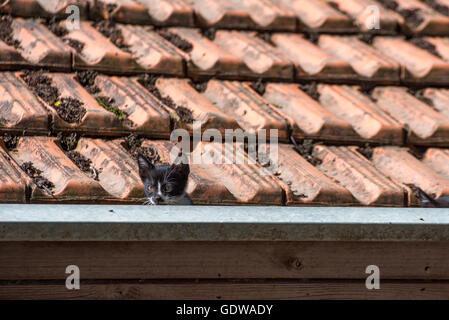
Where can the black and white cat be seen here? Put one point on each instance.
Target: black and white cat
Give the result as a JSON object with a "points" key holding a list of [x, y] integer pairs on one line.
{"points": [[164, 184]]}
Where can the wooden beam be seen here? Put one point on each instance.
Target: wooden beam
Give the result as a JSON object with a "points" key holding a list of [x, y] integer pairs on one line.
{"points": [[224, 260], [226, 290]]}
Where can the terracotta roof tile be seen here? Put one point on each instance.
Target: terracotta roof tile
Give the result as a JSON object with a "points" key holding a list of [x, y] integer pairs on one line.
{"points": [[152, 52], [317, 15], [70, 184], [244, 14], [438, 160], [369, 63], [310, 60], [251, 111], [99, 53], [10, 58], [366, 183], [20, 110], [157, 12], [361, 11], [261, 58], [304, 184], [125, 11], [441, 46], [418, 64], [426, 125], [400, 165], [207, 59], [145, 114], [39, 47], [312, 120], [248, 182], [117, 172], [439, 99], [420, 18], [203, 111], [13, 182], [371, 122]]}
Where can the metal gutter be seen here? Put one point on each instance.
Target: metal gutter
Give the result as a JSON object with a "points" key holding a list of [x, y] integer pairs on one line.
{"points": [[32, 222]]}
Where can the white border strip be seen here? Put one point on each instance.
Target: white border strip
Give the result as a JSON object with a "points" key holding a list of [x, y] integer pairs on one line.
{"points": [[27, 222]]}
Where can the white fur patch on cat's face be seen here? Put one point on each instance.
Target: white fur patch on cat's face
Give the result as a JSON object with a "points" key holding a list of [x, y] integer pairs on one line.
{"points": [[159, 192]]}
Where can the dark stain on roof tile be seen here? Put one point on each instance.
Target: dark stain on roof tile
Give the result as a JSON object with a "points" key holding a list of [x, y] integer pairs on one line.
{"points": [[439, 6], [6, 31], [412, 16], [426, 45], [53, 24], [176, 40], [366, 151], [109, 29], [419, 17]]}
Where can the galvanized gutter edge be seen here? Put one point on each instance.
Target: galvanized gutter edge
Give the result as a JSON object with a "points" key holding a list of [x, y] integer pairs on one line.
{"points": [[19, 222]]}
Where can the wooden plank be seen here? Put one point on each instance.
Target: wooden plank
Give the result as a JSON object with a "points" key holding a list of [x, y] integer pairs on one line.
{"points": [[224, 260], [226, 291]]}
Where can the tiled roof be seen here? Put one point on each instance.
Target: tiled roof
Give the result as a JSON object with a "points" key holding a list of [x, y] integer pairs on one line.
{"points": [[362, 114]]}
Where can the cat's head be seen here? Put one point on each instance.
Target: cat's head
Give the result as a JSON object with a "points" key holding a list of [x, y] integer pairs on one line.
{"points": [[164, 184]]}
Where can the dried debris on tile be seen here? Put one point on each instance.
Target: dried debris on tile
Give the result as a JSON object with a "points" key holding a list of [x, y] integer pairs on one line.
{"points": [[69, 109]]}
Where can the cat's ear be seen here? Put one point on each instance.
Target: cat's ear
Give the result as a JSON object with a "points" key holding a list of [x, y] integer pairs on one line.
{"points": [[182, 170], [145, 168]]}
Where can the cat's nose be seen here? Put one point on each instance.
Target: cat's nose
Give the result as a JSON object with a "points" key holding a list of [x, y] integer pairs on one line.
{"points": [[157, 199]]}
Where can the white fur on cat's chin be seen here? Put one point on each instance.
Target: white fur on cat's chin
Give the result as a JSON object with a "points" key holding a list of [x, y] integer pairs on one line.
{"points": [[172, 200]]}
